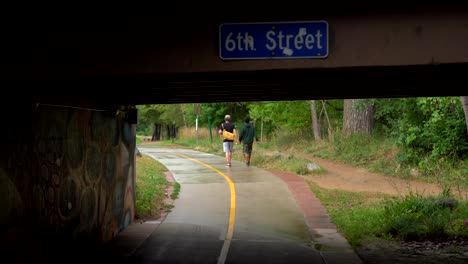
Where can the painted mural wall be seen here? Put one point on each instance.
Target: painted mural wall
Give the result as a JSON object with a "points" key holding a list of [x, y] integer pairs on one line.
{"points": [[68, 171]]}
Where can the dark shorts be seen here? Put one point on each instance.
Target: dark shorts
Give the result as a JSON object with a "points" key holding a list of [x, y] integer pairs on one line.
{"points": [[247, 149]]}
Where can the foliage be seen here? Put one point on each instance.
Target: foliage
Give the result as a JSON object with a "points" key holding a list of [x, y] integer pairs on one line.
{"points": [[262, 115], [294, 117], [217, 111], [388, 114], [138, 140], [415, 217], [149, 115], [359, 216], [268, 117], [150, 187], [415, 137], [432, 127], [184, 115], [362, 215], [358, 149], [428, 133], [356, 214], [330, 114]]}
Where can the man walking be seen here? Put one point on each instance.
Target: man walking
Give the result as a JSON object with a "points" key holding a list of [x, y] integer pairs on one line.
{"points": [[228, 144], [247, 135]]}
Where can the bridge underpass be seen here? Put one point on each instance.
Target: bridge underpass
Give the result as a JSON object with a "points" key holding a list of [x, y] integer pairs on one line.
{"points": [[273, 85], [414, 50], [68, 161]]}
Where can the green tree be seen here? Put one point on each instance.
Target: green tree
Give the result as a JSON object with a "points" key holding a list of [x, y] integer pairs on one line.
{"points": [[159, 119], [433, 127], [464, 101]]}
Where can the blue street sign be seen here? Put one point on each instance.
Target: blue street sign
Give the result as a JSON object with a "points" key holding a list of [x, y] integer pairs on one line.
{"points": [[280, 40]]}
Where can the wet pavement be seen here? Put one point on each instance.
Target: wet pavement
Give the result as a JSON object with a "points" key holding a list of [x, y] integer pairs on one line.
{"points": [[235, 214]]}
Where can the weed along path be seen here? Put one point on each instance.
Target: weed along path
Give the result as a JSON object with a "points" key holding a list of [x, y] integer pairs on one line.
{"points": [[235, 214]]}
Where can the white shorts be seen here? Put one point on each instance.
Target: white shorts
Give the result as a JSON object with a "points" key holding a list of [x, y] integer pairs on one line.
{"points": [[228, 146]]}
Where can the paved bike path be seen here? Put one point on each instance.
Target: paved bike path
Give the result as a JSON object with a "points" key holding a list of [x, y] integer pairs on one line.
{"points": [[235, 214]]}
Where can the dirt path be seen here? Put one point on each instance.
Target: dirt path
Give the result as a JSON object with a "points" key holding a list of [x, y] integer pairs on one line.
{"points": [[345, 177]]}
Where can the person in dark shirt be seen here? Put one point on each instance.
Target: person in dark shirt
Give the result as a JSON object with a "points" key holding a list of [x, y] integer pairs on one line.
{"points": [[247, 135], [228, 145]]}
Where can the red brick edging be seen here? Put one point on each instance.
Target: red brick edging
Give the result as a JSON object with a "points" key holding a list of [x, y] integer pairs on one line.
{"points": [[315, 214]]}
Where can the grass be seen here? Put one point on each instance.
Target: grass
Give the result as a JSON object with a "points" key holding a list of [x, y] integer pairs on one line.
{"points": [[151, 186], [365, 216], [175, 193], [356, 214], [416, 217]]}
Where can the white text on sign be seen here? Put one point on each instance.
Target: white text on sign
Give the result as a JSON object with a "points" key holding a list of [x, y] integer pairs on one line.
{"points": [[275, 40], [285, 42]]}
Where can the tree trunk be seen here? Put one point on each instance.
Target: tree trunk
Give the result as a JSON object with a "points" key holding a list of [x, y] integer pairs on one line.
{"points": [[261, 131], [358, 117], [324, 110], [156, 132], [315, 124], [153, 138], [168, 132], [174, 131], [464, 100]]}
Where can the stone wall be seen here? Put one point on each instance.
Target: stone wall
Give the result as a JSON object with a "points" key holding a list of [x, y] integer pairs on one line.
{"points": [[66, 171]]}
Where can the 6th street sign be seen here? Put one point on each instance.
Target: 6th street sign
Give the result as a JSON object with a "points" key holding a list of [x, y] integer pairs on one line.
{"points": [[281, 40]]}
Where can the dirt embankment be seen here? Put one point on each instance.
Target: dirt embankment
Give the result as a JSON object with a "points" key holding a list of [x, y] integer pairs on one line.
{"points": [[349, 178]]}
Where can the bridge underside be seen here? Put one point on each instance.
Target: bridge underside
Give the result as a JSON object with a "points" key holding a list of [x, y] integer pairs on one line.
{"points": [[266, 85], [172, 57], [68, 163]]}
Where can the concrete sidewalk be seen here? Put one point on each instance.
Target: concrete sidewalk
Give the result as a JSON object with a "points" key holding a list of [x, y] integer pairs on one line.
{"points": [[329, 242], [129, 240]]}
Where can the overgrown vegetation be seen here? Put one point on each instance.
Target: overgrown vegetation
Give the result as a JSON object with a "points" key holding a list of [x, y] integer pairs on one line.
{"points": [[365, 216], [357, 214], [151, 186], [415, 217], [419, 138], [422, 139]]}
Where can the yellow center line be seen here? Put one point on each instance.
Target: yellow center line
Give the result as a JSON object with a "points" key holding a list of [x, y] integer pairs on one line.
{"points": [[232, 211]]}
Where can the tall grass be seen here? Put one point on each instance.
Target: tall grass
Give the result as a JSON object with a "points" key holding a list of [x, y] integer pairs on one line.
{"points": [[358, 215], [362, 216], [416, 217], [150, 189]]}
